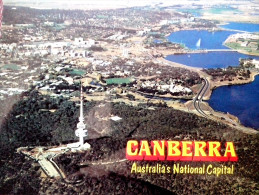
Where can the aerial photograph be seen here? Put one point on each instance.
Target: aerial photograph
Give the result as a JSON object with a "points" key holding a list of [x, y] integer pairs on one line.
{"points": [[129, 97]]}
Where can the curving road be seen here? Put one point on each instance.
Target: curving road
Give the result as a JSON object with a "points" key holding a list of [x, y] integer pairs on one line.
{"points": [[198, 99]]}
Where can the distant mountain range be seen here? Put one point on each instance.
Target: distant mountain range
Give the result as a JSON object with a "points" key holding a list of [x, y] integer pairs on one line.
{"points": [[108, 4]]}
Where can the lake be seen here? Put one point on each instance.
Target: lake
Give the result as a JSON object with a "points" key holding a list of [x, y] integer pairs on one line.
{"points": [[194, 12], [222, 10], [210, 59], [208, 40], [239, 100], [197, 12], [242, 26]]}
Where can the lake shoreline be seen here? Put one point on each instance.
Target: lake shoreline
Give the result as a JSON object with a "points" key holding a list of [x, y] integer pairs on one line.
{"points": [[241, 51], [241, 102], [230, 119], [215, 85]]}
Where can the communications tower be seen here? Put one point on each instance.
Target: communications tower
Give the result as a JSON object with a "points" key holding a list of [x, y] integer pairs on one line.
{"points": [[81, 132]]}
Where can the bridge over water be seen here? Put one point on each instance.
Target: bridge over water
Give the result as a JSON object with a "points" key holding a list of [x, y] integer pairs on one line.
{"points": [[234, 30], [210, 50], [213, 50]]}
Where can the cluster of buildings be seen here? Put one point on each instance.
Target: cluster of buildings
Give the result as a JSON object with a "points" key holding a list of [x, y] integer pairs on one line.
{"points": [[15, 79], [52, 39], [163, 87], [177, 20], [245, 40], [245, 36], [118, 36], [251, 63], [76, 48]]}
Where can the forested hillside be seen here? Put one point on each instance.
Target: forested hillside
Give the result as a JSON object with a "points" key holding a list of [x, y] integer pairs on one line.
{"points": [[42, 120]]}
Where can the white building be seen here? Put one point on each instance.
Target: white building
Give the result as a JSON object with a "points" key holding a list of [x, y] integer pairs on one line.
{"points": [[81, 43], [49, 23], [78, 53], [256, 63]]}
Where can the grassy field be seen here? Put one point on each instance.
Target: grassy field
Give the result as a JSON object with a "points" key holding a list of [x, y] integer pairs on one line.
{"points": [[11, 67], [77, 72], [119, 81], [237, 46]]}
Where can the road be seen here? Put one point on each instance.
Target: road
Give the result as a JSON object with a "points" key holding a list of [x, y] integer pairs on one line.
{"points": [[198, 99], [103, 163], [234, 30], [219, 50], [216, 116]]}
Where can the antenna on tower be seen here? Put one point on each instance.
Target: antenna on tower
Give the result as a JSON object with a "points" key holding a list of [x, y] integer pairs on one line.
{"points": [[1, 14], [81, 104]]}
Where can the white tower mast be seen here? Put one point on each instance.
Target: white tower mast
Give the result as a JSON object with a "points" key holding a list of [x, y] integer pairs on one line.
{"points": [[1, 14], [81, 132]]}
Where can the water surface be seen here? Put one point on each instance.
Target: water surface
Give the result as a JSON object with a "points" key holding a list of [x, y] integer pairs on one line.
{"points": [[249, 27], [194, 12], [210, 59], [239, 100], [209, 40]]}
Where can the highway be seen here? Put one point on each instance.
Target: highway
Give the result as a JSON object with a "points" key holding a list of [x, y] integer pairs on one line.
{"points": [[198, 99]]}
